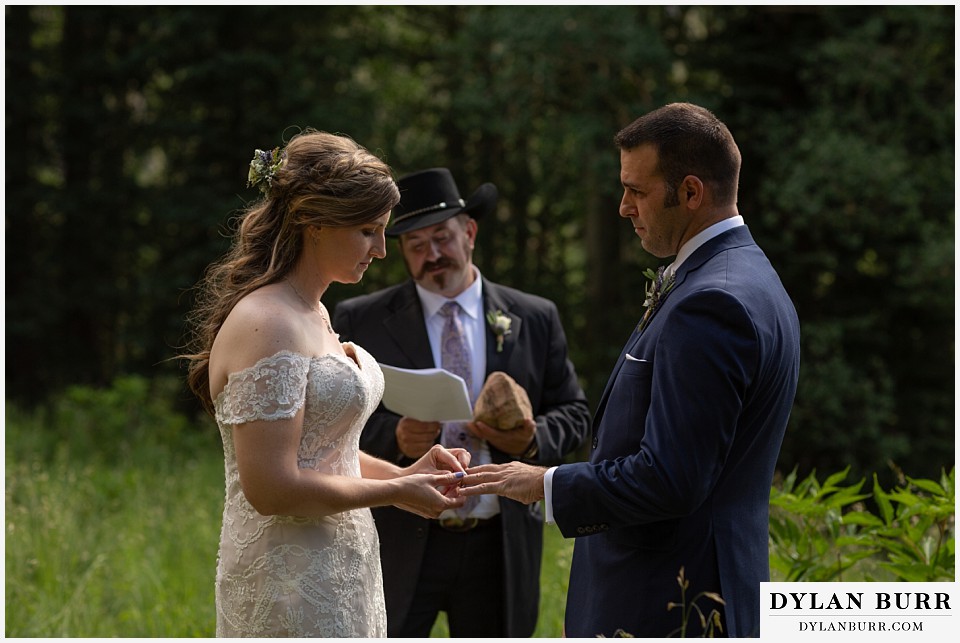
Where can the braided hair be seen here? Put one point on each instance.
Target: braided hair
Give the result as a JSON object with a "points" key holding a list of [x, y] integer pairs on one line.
{"points": [[324, 180]]}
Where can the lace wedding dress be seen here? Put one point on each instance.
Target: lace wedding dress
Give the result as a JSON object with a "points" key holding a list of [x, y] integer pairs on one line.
{"points": [[289, 576]]}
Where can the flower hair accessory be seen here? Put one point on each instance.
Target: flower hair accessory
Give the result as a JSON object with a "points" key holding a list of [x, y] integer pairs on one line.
{"points": [[263, 167], [657, 289], [500, 325]]}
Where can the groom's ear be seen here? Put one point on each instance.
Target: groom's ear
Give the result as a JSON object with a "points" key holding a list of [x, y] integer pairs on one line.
{"points": [[691, 192]]}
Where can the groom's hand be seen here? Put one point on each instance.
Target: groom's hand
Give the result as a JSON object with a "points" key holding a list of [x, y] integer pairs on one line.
{"points": [[514, 480]]}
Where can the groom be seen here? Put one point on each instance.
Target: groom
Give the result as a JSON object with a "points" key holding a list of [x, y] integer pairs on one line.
{"points": [[688, 430]]}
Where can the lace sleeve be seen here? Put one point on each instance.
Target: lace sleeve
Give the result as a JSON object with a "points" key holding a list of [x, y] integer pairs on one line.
{"points": [[272, 389]]}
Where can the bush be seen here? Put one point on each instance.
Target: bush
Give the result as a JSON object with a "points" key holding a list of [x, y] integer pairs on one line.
{"points": [[825, 532], [109, 425]]}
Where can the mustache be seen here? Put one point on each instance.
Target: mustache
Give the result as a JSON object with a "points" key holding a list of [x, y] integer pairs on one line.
{"points": [[442, 262]]}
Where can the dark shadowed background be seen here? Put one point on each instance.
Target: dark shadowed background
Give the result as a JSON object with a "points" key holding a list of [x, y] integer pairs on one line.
{"points": [[129, 131]]}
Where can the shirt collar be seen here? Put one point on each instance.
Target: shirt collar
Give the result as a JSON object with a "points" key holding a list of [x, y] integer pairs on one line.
{"points": [[471, 299], [701, 238]]}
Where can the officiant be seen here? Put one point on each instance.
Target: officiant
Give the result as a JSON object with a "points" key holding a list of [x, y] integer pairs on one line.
{"points": [[480, 566]]}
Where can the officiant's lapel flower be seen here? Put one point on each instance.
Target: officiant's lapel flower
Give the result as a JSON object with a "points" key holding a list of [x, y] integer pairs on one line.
{"points": [[500, 325], [657, 289]]}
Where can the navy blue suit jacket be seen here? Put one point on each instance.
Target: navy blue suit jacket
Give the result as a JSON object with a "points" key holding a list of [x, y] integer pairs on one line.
{"points": [[389, 324], [686, 438]]}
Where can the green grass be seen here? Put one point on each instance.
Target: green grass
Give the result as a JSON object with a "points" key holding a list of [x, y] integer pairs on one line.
{"points": [[111, 550], [113, 512], [113, 508], [129, 550]]}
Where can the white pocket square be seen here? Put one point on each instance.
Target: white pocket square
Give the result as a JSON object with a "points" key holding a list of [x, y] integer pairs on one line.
{"points": [[631, 358]]}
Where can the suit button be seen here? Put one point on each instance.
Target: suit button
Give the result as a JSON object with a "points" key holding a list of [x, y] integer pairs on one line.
{"points": [[420, 532], [604, 526], [580, 530]]}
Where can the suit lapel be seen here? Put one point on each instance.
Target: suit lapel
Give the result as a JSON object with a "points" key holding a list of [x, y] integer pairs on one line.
{"points": [[408, 329], [610, 380], [735, 237]]}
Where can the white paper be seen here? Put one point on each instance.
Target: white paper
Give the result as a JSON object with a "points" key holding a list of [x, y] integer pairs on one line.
{"points": [[428, 395]]}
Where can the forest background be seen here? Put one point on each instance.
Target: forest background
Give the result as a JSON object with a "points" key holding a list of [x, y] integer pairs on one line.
{"points": [[129, 130]]}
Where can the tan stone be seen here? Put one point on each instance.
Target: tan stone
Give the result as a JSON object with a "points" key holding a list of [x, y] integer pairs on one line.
{"points": [[502, 403]]}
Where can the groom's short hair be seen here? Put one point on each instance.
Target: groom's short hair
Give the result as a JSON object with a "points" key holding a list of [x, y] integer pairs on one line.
{"points": [[689, 140]]}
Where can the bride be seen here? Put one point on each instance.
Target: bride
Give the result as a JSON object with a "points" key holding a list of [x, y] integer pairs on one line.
{"points": [[299, 554]]}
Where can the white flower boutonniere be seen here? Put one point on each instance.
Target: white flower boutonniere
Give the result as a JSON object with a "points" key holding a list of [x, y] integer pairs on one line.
{"points": [[657, 289], [500, 325]]}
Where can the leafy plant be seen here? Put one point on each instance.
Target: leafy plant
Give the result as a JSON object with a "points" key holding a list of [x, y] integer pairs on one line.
{"points": [[825, 532], [917, 532]]}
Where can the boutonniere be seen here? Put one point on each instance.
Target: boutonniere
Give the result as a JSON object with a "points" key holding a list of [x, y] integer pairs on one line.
{"points": [[500, 325], [657, 289]]}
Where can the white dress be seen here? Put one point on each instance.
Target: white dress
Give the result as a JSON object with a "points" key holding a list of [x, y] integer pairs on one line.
{"points": [[289, 576]]}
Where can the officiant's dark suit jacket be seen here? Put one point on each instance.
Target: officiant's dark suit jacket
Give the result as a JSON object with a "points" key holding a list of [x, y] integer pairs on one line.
{"points": [[685, 440], [390, 325]]}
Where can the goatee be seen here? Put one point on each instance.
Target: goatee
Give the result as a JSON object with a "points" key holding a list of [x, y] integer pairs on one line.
{"points": [[439, 278]]}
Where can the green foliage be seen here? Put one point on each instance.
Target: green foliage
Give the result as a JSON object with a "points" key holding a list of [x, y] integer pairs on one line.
{"points": [[826, 532], [133, 129], [917, 533], [112, 518], [554, 580], [108, 425], [849, 204], [113, 510], [113, 503]]}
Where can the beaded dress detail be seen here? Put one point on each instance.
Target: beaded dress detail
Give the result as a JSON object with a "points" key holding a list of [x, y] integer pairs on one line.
{"points": [[291, 576]]}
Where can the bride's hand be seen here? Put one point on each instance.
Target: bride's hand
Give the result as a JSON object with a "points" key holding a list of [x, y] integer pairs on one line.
{"points": [[430, 494], [439, 459]]}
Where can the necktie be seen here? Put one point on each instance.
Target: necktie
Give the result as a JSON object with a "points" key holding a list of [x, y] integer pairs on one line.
{"points": [[455, 357]]}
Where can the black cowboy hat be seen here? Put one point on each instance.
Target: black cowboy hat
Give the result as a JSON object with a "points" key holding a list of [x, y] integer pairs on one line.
{"points": [[431, 196]]}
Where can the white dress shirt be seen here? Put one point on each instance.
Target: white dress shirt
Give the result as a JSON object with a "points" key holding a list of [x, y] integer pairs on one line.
{"points": [[474, 320], [471, 301]]}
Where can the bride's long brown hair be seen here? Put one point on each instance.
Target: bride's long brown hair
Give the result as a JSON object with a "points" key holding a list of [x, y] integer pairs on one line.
{"points": [[326, 180]]}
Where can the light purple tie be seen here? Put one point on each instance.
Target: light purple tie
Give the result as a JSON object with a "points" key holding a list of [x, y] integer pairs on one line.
{"points": [[455, 357]]}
